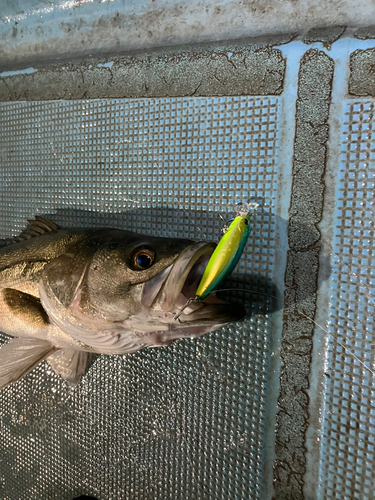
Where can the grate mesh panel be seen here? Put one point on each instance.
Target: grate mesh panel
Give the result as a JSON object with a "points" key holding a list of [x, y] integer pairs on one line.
{"points": [[187, 421], [348, 446]]}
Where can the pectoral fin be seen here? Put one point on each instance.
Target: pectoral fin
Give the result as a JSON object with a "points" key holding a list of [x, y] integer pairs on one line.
{"points": [[70, 364], [25, 309], [20, 356]]}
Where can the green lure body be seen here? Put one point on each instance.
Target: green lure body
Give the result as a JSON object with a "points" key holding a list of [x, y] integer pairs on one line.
{"points": [[225, 257]]}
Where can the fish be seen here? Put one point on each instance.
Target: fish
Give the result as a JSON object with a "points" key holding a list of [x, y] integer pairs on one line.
{"points": [[67, 292]]}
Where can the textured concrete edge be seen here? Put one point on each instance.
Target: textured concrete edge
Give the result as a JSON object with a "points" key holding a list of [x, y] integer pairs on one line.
{"points": [[301, 276], [362, 73], [365, 33], [327, 36], [247, 67]]}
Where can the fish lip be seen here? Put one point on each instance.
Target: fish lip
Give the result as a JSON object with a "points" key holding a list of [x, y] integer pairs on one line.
{"points": [[171, 288], [182, 282], [220, 313], [161, 291]]}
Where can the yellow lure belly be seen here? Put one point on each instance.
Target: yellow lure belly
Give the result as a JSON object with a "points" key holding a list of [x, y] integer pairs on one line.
{"points": [[225, 257]]}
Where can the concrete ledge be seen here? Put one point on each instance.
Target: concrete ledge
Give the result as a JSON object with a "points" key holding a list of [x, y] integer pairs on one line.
{"points": [[253, 67], [301, 275], [362, 73], [327, 36]]}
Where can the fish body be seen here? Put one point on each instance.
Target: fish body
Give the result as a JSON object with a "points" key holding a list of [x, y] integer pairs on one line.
{"points": [[66, 292]]}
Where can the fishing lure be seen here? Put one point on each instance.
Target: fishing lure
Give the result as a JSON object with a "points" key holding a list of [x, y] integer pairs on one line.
{"points": [[226, 254]]}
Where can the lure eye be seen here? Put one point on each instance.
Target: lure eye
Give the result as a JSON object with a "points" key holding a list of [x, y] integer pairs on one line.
{"points": [[142, 259], [246, 221]]}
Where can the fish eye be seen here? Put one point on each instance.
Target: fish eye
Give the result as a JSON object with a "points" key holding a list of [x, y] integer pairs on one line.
{"points": [[142, 259], [246, 221]]}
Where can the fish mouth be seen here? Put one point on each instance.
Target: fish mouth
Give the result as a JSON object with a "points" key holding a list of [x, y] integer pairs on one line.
{"points": [[180, 283]]}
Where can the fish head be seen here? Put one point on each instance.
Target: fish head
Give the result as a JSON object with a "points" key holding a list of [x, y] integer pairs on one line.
{"points": [[126, 282]]}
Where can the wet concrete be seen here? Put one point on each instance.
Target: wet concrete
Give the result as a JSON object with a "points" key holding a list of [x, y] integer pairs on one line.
{"points": [[362, 73], [365, 33], [35, 30], [251, 67], [327, 35], [301, 276]]}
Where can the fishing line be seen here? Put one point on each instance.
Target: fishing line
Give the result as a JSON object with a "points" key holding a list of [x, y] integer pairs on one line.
{"points": [[183, 210], [340, 343], [246, 290], [315, 323], [369, 296], [299, 312]]}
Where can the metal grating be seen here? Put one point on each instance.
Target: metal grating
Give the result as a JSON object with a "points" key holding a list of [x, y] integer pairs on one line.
{"points": [[182, 422], [348, 441]]}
